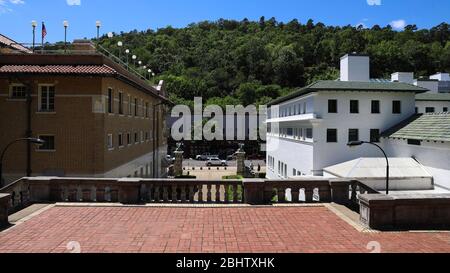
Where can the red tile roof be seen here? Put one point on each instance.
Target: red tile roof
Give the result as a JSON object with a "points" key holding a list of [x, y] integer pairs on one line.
{"points": [[59, 69], [13, 44]]}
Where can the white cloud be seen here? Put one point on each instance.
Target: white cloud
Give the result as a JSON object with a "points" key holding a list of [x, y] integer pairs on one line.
{"points": [[73, 2], [4, 5], [374, 2], [398, 24]]}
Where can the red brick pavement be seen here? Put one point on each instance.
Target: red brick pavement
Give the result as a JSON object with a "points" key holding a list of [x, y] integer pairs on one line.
{"points": [[232, 230]]}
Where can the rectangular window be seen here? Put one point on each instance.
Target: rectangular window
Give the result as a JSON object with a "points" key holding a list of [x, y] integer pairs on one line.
{"points": [[47, 98], [354, 107], [18, 91], [353, 135], [120, 140], [430, 110], [309, 133], [396, 107], [445, 109], [294, 172], [331, 135], [130, 106], [146, 109], [135, 107], [375, 107], [332, 106], [110, 142], [375, 135], [110, 100], [120, 103], [142, 136], [147, 136], [414, 142], [129, 139], [49, 144], [136, 138]]}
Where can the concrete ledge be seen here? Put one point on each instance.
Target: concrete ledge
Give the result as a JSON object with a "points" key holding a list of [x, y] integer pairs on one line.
{"points": [[409, 211], [4, 205]]}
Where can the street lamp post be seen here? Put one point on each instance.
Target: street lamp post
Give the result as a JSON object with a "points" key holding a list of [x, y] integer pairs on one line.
{"points": [[359, 143], [127, 52], [30, 140], [34, 25], [134, 57], [120, 44], [66, 25], [98, 24]]}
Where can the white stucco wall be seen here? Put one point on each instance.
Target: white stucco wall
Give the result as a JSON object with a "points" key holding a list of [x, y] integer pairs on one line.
{"points": [[328, 154], [295, 154], [438, 106], [434, 156]]}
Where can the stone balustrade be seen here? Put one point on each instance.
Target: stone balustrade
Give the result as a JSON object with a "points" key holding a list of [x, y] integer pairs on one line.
{"points": [[4, 204]]}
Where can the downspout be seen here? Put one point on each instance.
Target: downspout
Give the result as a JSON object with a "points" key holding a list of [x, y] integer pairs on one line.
{"points": [[29, 132]]}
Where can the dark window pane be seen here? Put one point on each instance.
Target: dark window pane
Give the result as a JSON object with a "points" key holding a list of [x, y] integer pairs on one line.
{"points": [[414, 142], [332, 106], [353, 135], [396, 107], [331, 135], [375, 107], [375, 135], [429, 110], [49, 144], [354, 107]]}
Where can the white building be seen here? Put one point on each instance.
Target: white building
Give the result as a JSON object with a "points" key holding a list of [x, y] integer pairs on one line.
{"points": [[313, 125], [432, 102]]}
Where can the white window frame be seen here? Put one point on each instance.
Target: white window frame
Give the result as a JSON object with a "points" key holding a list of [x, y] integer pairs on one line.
{"points": [[40, 98], [11, 86], [110, 142]]}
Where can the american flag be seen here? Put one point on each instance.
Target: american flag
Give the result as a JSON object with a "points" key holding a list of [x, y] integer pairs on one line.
{"points": [[44, 31]]}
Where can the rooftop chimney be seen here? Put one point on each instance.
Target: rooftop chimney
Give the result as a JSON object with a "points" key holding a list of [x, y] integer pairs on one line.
{"points": [[406, 77], [440, 77], [355, 67]]}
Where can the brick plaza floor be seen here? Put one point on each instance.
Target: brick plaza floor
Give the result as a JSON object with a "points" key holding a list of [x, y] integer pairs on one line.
{"points": [[232, 230]]}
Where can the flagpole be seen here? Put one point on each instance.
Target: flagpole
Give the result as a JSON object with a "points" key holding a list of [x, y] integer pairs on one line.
{"points": [[42, 49]]}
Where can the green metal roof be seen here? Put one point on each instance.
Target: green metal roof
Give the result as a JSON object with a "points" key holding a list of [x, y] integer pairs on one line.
{"points": [[431, 127], [433, 97], [351, 86]]}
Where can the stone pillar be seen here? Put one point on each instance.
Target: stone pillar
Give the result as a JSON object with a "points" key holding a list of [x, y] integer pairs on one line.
{"points": [[178, 165], [240, 156], [253, 191], [340, 191], [4, 203]]}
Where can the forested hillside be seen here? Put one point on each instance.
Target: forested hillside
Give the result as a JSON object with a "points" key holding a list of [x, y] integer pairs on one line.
{"points": [[230, 62]]}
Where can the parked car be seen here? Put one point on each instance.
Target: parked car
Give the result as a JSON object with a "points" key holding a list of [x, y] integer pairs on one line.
{"points": [[215, 161], [203, 157]]}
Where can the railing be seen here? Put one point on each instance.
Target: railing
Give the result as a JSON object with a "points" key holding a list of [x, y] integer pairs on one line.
{"points": [[191, 191], [357, 188], [27, 191]]}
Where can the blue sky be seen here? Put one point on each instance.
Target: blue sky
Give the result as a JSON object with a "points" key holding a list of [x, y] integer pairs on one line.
{"points": [[118, 15]]}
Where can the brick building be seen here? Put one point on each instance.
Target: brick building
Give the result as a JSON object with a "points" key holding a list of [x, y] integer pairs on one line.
{"points": [[97, 118]]}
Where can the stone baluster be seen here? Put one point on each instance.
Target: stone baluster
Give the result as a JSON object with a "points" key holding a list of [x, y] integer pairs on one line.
{"points": [[157, 194], [209, 193], [191, 194], [309, 193], [183, 193], [114, 195], [235, 194], [281, 192], [174, 194], [217, 193], [227, 193], [200, 193], [165, 193], [295, 194], [86, 193], [100, 194]]}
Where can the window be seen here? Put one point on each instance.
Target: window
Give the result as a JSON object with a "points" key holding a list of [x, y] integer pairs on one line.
{"points": [[129, 105], [354, 107], [49, 144], [120, 103], [396, 107], [142, 136], [375, 107], [429, 110], [309, 133], [146, 109], [120, 140], [110, 142], [294, 172], [110, 100], [135, 107], [129, 139], [375, 135], [331, 135], [136, 138], [47, 98], [445, 109], [414, 142], [353, 135], [332, 106], [18, 91], [147, 136]]}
